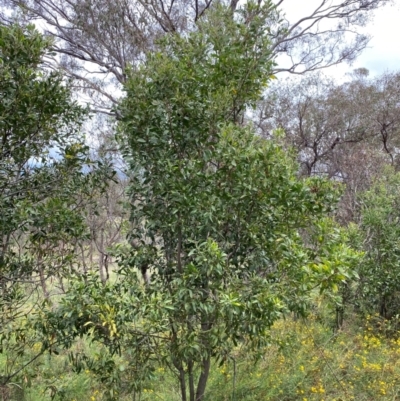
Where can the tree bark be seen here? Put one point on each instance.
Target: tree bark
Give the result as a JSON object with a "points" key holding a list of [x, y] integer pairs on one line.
{"points": [[43, 282], [201, 385], [42, 277], [101, 258], [182, 383], [191, 381]]}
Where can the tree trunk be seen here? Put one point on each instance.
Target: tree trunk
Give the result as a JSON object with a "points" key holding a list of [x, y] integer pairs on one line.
{"points": [[339, 317], [182, 379], [201, 385], [85, 269], [42, 277], [191, 381], [91, 250], [43, 282], [101, 258], [182, 383]]}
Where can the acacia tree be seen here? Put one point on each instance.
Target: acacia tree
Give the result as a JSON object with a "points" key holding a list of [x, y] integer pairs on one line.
{"points": [[217, 213], [97, 40]]}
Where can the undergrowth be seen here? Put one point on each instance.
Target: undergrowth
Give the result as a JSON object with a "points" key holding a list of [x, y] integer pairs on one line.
{"points": [[305, 361]]}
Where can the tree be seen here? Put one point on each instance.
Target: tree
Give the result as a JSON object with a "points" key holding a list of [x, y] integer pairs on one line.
{"points": [[379, 238], [217, 213], [322, 118], [42, 155], [97, 40], [108, 223], [343, 131], [40, 138]]}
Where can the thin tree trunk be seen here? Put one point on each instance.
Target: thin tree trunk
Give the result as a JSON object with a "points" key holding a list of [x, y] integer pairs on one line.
{"points": [[101, 258], [91, 249], [42, 278], [179, 251], [201, 385], [85, 269], [191, 381], [179, 366], [5, 243], [182, 383], [105, 256], [339, 317], [3, 281], [43, 283]]}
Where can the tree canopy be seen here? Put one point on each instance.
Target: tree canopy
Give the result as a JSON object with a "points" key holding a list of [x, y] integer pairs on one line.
{"points": [[97, 40], [226, 236]]}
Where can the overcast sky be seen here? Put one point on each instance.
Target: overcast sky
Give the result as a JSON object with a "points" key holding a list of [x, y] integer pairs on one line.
{"points": [[383, 52]]}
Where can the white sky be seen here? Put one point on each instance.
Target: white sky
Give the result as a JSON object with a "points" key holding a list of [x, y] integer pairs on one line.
{"points": [[383, 52]]}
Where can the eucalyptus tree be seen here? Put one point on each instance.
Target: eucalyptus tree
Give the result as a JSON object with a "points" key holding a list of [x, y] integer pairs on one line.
{"points": [[346, 131], [97, 40], [219, 215]]}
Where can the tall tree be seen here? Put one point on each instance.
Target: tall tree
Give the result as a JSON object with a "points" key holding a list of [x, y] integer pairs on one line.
{"points": [[217, 211], [97, 40], [42, 154], [343, 131]]}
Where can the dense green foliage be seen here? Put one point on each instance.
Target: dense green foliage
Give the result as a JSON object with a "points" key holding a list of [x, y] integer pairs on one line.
{"points": [[380, 233], [217, 214], [226, 238], [41, 149], [42, 154]]}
